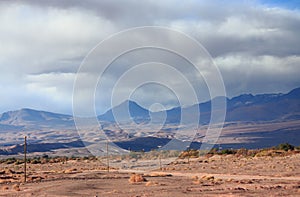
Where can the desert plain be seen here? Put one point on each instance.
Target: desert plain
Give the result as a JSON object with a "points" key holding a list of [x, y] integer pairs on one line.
{"points": [[268, 172]]}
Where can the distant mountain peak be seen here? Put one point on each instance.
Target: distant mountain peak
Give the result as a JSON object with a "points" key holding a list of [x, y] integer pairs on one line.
{"points": [[128, 104], [127, 109], [295, 93], [131, 103], [27, 116]]}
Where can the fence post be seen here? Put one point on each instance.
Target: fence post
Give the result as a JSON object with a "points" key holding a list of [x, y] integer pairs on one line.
{"points": [[107, 155], [25, 159]]}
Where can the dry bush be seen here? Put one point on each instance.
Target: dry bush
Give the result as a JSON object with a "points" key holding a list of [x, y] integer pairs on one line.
{"points": [[270, 153], [195, 177], [242, 152], [151, 183], [72, 170], [246, 153], [245, 182], [285, 147], [196, 180], [190, 154], [5, 187], [170, 168], [158, 174], [9, 171], [16, 187], [252, 153], [228, 152], [35, 178], [136, 178], [208, 177]]}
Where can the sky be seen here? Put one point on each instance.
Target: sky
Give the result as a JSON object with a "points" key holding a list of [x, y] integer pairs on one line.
{"points": [[255, 45]]}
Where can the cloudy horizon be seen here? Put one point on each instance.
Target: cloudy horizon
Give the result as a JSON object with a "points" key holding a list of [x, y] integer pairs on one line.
{"points": [[255, 45]]}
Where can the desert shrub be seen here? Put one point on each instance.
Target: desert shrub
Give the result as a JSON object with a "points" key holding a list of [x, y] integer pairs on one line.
{"points": [[35, 161], [194, 153], [85, 158], [189, 153], [213, 151], [184, 154], [285, 147], [135, 155], [18, 162], [170, 153], [228, 151], [252, 153], [270, 152], [10, 160], [92, 158], [242, 152], [264, 152], [73, 157]]}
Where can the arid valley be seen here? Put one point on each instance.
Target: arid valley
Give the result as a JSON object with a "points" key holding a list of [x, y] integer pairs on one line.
{"points": [[149, 98]]}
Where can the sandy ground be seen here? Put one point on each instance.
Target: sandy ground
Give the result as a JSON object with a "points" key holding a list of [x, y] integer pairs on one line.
{"points": [[214, 176]]}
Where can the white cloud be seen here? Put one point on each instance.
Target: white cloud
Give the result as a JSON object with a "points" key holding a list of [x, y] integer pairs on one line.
{"points": [[34, 38], [259, 74], [42, 44]]}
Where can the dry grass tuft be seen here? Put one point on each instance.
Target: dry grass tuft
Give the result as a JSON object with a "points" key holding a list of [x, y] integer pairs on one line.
{"points": [[136, 178]]}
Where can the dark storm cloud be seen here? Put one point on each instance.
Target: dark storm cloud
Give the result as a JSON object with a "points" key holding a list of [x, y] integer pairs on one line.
{"points": [[275, 27]]}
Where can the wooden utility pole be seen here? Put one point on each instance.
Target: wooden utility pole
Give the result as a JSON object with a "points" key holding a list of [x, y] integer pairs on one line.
{"points": [[107, 156], [159, 157], [160, 167], [25, 159], [188, 153]]}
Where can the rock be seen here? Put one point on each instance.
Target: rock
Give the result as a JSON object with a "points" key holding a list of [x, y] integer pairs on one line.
{"points": [[136, 178]]}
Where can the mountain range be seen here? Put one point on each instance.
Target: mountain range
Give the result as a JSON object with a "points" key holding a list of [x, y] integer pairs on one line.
{"points": [[252, 121], [246, 107]]}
